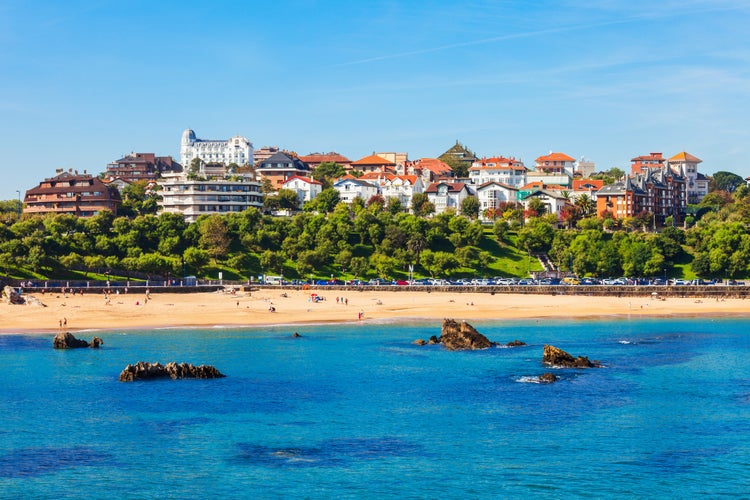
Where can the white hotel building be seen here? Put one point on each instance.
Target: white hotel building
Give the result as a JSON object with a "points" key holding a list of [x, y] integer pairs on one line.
{"points": [[235, 150], [193, 198]]}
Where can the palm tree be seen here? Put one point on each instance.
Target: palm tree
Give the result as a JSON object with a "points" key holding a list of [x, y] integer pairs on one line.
{"points": [[585, 203]]}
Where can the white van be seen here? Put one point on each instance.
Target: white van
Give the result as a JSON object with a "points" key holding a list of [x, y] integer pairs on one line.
{"points": [[272, 280]]}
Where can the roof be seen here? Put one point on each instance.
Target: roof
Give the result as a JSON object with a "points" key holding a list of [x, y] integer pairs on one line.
{"points": [[555, 157], [650, 156], [303, 179], [353, 180], [376, 176], [495, 183], [283, 158], [434, 165], [453, 187], [685, 156], [581, 184], [373, 160], [331, 157]]}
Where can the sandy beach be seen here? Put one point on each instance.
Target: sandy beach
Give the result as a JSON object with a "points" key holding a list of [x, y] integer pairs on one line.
{"points": [[90, 311]]}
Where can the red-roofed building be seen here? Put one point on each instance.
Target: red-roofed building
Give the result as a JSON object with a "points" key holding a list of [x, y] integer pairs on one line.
{"points": [[508, 171], [142, 166], [71, 193], [374, 163], [429, 169], [305, 187], [447, 195], [555, 163], [639, 164], [313, 160]]}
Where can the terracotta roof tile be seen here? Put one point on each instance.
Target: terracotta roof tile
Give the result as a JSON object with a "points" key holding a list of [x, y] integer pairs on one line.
{"points": [[373, 160], [685, 156], [555, 157]]}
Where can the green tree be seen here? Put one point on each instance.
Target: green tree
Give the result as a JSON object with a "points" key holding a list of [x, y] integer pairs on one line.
{"points": [[213, 236], [726, 181], [470, 207], [327, 173]]}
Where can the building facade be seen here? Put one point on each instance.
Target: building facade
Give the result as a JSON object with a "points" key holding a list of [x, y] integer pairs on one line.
{"points": [[350, 188], [281, 167], [555, 163], [193, 198], [508, 171], [447, 195], [686, 165], [305, 187], [142, 166], [72, 193], [493, 195], [225, 151], [374, 163], [658, 191]]}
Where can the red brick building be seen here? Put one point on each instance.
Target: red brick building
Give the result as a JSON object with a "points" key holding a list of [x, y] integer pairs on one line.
{"points": [[71, 193]]}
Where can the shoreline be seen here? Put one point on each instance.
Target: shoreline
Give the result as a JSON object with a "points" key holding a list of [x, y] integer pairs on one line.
{"points": [[90, 312]]}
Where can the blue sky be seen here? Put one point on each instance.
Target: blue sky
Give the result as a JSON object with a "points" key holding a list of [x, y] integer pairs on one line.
{"points": [[83, 83]]}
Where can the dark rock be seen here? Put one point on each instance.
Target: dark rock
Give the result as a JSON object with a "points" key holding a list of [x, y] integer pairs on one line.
{"points": [[66, 340], [433, 340], [149, 371], [419, 342], [96, 342], [11, 296], [296, 335], [547, 378], [461, 336], [515, 343], [557, 357]]}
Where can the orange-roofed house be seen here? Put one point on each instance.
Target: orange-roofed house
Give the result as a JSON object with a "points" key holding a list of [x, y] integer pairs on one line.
{"points": [[374, 163], [554, 168], [588, 187], [313, 160], [429, 169], [686, 165], [555, 163], [509, 171]]}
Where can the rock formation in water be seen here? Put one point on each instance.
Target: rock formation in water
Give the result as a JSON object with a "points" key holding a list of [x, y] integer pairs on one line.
{"points": [[457, 336], [557, 357], [547, 378], [149, 371], [66, 340], [515, 343]]}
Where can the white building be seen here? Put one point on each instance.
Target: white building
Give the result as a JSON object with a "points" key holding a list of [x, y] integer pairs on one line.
{"points": [[447, 195], [686, 165], [235, 150], [193, 198], [400, 187], [494, 194], [553, 201], [350, 188], [306, 188], [498, 169]]}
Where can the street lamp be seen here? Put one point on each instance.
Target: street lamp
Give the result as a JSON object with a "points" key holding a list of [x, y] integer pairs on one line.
{"points": [[19, 203]]}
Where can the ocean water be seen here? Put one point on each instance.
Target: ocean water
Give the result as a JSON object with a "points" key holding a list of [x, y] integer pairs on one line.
{"points": [[358, 411]]}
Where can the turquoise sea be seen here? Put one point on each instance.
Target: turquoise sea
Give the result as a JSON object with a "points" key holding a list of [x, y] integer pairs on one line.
{"points": [[358, 411]]}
